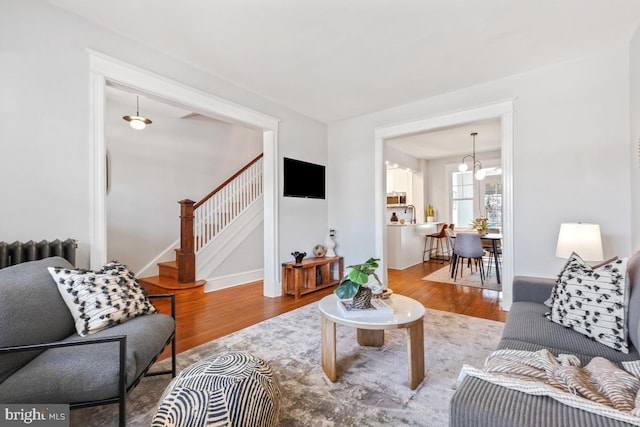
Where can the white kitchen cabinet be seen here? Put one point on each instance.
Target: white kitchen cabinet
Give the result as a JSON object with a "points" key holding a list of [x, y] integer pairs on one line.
{"points": [[400, 181]]}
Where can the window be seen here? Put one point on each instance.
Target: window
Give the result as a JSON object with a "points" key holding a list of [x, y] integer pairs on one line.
{"points": [[462, 198], [493, 202]]}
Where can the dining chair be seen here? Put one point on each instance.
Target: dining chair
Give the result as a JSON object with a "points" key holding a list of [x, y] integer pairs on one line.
{"points": [[468, 246]]}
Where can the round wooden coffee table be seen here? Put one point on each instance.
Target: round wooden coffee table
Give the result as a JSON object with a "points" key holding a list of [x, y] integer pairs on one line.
{"points": [[407, 313]]}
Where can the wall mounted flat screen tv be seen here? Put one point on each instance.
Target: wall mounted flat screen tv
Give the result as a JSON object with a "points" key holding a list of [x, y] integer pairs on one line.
{"points": [[303, 179]]}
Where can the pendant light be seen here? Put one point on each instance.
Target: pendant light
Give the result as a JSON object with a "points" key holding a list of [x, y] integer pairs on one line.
{"points": [[137, 122], [478, 172]]}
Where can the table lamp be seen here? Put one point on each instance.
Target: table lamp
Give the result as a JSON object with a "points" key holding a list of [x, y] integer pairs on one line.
{"points": [[583, 239]]}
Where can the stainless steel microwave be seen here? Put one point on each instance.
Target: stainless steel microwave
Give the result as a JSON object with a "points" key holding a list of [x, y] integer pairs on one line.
{"points": [[396, 199]]}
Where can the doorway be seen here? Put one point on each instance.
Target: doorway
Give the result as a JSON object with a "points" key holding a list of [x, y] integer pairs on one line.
{"points": [[502, 111], [104, 69]]}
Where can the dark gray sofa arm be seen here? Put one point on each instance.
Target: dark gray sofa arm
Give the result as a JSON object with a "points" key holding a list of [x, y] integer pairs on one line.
{"points": [[532, 289]]}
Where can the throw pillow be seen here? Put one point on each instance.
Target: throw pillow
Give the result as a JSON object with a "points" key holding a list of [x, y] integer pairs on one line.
{"points": [[549, 301], [102, 298], [592, 301]]}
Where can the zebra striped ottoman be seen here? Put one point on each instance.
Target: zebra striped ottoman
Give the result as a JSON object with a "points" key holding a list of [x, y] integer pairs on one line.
{"points": [[228, 389]]}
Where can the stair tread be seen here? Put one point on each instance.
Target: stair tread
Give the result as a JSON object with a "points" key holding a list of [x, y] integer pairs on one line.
{"points": [[167, 283], [168, 264]]}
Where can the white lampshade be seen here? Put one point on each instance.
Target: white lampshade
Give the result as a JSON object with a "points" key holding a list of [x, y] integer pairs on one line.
{"points": [[462, 167], [583, 239]]}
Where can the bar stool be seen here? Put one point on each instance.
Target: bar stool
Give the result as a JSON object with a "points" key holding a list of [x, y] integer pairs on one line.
{"points": [[438, 237], [451, 239]]}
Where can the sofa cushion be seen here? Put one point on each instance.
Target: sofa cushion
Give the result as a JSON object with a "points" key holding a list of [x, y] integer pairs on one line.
{"points": [[103, 298], [593, 301], [31, 310], [527, 322], [86, 373], [478, 403]]}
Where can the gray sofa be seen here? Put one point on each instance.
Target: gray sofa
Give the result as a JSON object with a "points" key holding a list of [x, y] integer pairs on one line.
{"points": [[44, 360], [477, 403]]}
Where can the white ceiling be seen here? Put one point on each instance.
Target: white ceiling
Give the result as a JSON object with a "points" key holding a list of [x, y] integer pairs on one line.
{"points": [[334, 59], [454, 141]]}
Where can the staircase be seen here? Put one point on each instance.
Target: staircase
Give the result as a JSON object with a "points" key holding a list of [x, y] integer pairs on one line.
{"points": [[207, 229]]}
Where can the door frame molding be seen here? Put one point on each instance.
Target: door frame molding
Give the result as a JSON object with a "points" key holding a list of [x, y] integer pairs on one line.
{"points": [[504, 110], [104, 70]]}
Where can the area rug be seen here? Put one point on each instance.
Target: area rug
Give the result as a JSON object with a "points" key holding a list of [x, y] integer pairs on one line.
{"points": [[371, 389], [468, 279]]}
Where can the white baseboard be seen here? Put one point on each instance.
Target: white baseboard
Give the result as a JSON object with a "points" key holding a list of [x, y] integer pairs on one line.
{"points": [[222, 282]]}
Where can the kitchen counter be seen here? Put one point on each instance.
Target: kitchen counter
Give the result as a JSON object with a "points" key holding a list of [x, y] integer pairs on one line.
{"points": [[405, 243]]}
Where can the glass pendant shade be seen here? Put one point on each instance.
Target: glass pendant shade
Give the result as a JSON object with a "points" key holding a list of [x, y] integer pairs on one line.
{"points": [[480, 174], [462, 167], [137, 122]]}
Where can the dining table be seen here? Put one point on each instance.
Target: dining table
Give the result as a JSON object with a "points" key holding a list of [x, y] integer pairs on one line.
{"points": [[495, 238]]}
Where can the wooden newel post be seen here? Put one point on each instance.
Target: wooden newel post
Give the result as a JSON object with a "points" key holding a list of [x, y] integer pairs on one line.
{"points": [[186, 257]]}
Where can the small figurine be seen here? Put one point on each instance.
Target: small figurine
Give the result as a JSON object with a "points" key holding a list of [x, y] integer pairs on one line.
{"points": [[298, 256]]}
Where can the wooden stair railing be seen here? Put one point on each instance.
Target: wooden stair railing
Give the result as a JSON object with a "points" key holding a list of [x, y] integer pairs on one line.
{"points": [[186, 254]]}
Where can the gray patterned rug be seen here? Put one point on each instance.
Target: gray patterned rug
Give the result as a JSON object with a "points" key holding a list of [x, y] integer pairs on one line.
{"points": [[372, 386]]}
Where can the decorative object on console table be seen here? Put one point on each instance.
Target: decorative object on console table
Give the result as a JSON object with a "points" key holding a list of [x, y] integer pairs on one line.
{"points": [[299, 256], [319, 250], [301, 278], [356, 286], [331, 244]]}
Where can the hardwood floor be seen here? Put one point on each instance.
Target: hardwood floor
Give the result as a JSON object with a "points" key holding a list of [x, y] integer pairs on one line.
{"points": [[225, 311]]}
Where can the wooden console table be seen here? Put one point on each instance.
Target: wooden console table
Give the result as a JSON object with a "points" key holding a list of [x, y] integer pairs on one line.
{"points": [[311, 275]]}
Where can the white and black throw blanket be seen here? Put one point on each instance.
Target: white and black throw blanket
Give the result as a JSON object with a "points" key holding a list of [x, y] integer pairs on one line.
{"points": [[600, 387]]}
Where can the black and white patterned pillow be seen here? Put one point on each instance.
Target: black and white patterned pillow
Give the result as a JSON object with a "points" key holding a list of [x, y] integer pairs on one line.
{"points": [[549, 301], [102, 298], [592, 301]]}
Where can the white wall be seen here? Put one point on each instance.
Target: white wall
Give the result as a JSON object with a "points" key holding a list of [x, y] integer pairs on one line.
{"points": [[44, 125], [151, 170], [634, 149], [304, 219], [571, 149]]}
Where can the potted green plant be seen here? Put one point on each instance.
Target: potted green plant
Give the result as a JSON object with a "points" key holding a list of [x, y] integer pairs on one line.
{"points": [[355, 284], [480, 225], [430, 213]]}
